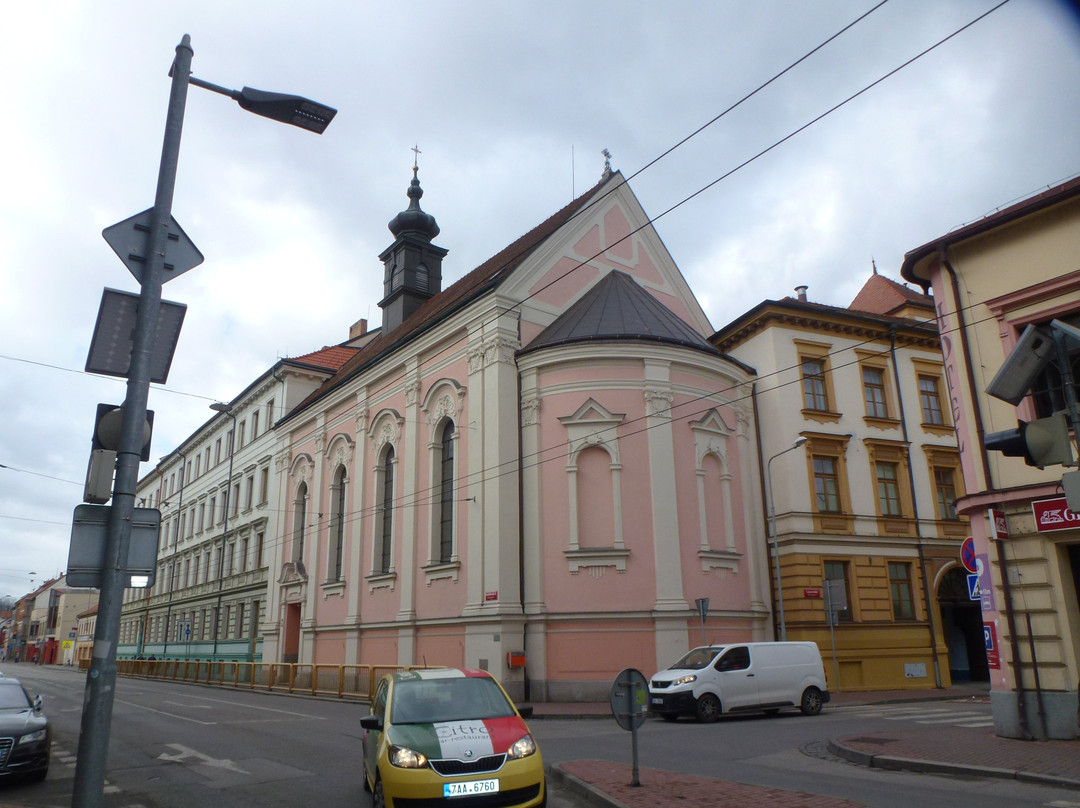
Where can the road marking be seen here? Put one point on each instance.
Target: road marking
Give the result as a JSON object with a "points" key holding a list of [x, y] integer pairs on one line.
{"points": [[163, 712], [190, 706], [184, 754]]}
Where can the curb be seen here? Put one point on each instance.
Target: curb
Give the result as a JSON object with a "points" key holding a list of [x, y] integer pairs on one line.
{"points": [[895, 763], [590, 794]]}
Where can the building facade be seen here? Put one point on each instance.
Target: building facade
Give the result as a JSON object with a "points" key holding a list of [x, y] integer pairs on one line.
{"points": [[537, 470], [860, 471], [992, 279]]}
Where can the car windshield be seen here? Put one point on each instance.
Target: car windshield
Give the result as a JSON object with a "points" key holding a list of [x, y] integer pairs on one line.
{"points": [[13, 698], [430, 701], [697, 659]]}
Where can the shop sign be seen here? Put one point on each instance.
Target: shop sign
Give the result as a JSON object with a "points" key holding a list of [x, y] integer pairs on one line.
{"points": [[1054, 514]]}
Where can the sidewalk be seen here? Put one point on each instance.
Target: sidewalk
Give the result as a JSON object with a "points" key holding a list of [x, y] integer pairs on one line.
{"points": [[941, 749]]}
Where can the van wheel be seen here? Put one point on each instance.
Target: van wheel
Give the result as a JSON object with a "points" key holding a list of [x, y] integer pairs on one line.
{"points": [[811, 701], [708, 708]]}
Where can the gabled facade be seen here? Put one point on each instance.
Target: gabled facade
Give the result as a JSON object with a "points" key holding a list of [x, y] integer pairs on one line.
{"points": [[536, 471], [992, 279], [860, 470], [220, 517]]}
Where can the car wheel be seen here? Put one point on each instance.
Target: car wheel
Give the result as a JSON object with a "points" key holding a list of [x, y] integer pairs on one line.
{"points": [[708, 708], [811, 701], [377, 798]]}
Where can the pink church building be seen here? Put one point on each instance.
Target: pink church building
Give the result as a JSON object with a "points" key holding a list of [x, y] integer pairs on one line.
{"points": [[538, 470]]}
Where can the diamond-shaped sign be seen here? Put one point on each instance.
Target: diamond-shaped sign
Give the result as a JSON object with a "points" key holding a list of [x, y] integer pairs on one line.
{"points": [[129, 241]]}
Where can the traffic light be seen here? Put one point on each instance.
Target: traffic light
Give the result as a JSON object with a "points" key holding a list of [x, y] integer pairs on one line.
{"points": [[103, 445], [107, 426], [1042, 442]]}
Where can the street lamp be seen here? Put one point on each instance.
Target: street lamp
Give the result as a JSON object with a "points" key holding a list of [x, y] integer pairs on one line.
{"points": [[89, 785], [776, 539], [227, 410]]}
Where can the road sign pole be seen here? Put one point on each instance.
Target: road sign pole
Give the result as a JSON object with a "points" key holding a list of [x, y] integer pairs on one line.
{"points": [[89, 785]]}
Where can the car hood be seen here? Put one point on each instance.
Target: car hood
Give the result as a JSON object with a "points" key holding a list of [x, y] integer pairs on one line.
{"points": [[460, 740], [19, 722]]}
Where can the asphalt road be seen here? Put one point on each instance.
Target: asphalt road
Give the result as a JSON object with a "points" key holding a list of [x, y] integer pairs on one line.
{"points": [[175, 745], [178, 745]]}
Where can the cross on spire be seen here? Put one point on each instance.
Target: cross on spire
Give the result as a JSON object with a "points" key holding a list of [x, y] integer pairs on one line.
{"points": [[416, 155]]}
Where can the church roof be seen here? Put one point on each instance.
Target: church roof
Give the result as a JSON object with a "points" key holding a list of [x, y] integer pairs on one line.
{"points": [[437, 308], [618, 308]]}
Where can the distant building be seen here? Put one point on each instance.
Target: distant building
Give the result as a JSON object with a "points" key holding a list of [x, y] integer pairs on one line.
{"points": [[860, 471], [221, 517], [991, 279]]}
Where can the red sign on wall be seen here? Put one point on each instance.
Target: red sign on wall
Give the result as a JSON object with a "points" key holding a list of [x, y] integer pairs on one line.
{"points": [[811, 593], [491, 595], [993, 657], [1054, 514]]}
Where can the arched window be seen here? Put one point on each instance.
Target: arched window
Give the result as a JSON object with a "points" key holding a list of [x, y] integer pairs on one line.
{"points": [[299, 520], [337, 525], [386, 512], [446, 494]]}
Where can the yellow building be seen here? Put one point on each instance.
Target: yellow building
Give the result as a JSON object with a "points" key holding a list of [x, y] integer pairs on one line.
{"points": [[860, 471], [991, 280]]}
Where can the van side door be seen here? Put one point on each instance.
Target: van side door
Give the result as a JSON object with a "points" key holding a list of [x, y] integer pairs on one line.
{"points": [[736, 677]]}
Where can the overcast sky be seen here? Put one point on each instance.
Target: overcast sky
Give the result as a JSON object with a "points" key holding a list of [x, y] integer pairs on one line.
{"points": [[511, 105]]}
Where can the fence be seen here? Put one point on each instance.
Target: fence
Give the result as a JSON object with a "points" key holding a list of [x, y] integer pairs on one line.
{"points": [[341, 681]]}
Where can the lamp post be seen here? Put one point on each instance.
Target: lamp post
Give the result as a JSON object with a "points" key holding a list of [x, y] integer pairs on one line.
{"points": [[227, 410], [89, 785], [776, 539]]}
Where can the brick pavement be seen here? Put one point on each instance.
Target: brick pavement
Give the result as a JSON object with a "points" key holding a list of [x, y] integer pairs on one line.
{"points": [[664, 788]]}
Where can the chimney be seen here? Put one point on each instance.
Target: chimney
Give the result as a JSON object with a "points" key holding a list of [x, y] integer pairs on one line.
{"points": [[801, 292], [358, 329]]}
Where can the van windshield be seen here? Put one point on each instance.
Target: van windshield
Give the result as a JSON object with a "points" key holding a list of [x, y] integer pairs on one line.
{"points": [[697, 659]]}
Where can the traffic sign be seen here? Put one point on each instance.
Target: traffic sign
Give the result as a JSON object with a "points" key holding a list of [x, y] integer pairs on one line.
{"points": [[973, 587], [967, 554], [130, 237]]}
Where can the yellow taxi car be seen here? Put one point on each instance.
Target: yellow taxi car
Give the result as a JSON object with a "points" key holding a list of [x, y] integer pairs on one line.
{"points": [[449, 737]]}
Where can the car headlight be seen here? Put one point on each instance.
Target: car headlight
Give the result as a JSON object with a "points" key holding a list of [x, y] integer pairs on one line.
{"points": [[522, 748], [405, 758], [685, 680], [30, 737]]}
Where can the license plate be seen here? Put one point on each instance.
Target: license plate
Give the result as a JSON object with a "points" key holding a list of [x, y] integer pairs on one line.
{"points": [[656, 700], [470, 788]]}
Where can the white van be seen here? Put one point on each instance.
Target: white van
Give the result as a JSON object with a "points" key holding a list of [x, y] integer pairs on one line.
{"points": [[717, 679]]}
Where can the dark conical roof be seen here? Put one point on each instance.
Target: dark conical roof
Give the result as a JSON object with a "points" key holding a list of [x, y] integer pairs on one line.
{"points": [[413, 219], [618, 308]]}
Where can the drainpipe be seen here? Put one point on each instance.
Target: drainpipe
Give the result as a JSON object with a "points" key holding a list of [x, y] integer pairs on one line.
{"points": [[915, 504], [526, 694], [999, 544], [765, 511]]}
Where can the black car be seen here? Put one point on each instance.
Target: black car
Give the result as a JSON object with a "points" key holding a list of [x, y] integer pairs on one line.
{"points": [[25, 737]]}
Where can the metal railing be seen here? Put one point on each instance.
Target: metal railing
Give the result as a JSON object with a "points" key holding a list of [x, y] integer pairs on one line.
{"points": [[340, 681]]}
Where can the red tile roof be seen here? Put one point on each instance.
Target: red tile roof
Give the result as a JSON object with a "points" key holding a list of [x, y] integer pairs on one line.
{"points": [[330, 357], [880, 295]]}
